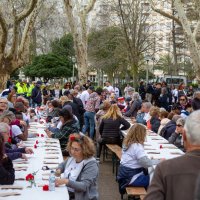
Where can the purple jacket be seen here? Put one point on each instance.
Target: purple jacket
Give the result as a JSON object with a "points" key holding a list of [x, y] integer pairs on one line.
{"points": [[14, 154]]}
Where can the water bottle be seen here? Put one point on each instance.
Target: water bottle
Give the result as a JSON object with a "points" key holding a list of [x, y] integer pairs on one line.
{"points": [[52, 180]]}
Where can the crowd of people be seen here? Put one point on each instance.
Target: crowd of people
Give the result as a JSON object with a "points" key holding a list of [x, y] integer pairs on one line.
{"points": [[74, 111]]}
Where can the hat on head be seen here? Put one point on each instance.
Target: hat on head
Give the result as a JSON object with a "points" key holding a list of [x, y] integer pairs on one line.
{"points": [[91, 88], [120, 99], [128, 99], [39, 82]]}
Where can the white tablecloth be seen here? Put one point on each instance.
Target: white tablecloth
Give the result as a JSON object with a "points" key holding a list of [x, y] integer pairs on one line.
{"points": [[35, 163]]}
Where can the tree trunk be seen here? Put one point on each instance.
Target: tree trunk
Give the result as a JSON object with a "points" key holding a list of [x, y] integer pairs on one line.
{"points": [[3, 80], [135, 76]]}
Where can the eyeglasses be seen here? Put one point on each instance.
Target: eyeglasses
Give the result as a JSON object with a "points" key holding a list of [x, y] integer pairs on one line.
{"points": [[4, 102], [75, 149], [182, 99], [179, 125]]}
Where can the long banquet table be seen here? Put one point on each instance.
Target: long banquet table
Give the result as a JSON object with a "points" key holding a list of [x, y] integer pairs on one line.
{"points": [[47, 153]]}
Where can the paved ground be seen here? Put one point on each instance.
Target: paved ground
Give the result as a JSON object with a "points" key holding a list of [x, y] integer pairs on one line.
{"points": [[108, 187]]}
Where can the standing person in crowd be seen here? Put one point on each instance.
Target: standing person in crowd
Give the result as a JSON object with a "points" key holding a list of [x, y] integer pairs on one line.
{"points": [[149, 92], [36, 95], [174, 92], [126, 90], [109, 87], [56, 92], [85, 95], [80, 170], [177, 137], [196, 101], [142, 91], [134, 161], [92, 106], [190, 92], [135, 106], [7, 175], [116, 91], [104, 107], [157, 92], [176, 175], [181, 90], [67, 86], [110, 128], [164, 99], [46, 94], [182, 102], [87, 84]]}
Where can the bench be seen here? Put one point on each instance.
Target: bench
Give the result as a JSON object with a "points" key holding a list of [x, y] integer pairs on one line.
{"points": [[117, 154], [136, 191]]}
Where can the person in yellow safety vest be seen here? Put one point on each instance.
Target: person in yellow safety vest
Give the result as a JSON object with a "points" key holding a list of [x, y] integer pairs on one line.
{"points": [[30, 88], [20, 90], [25, 88]]}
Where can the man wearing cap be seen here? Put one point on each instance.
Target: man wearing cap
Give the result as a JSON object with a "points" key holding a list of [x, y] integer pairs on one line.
{"points": [[176, 178], [36, 95]]}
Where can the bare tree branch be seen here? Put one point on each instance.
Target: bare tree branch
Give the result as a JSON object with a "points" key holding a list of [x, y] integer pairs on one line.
{"points": [[165, 14], [26, 12], [4, 35]]}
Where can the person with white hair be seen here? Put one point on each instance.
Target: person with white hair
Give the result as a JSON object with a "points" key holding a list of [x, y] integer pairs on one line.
{"points": [[12, 153], [176, 175], [135, 105], [3, 104]]}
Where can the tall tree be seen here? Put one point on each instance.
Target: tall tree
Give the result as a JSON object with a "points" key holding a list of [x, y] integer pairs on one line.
{"points": [[77, 12], [137, 34], [106, 51], [14, 42], [188, 17]]}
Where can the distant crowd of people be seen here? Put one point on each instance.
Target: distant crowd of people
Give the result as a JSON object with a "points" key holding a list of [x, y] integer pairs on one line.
{"points": [[101, 114]]}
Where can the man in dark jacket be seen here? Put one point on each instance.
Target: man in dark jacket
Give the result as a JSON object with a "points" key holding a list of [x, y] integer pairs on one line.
{"points": [[170, 127], [176, 178], [36, 95]]}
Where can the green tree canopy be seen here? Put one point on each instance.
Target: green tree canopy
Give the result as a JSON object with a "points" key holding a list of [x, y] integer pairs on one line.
{"points": [[105, 50], [63, 47], [49, 66]]}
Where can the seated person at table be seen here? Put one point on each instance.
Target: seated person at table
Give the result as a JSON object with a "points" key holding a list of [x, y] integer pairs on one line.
{"points": [[154, 121], [16, 132], [176, 138], [7, 172], [69, 126], [134, 162], [109, 128], [163, 116], [12, 153], [80, 170]]}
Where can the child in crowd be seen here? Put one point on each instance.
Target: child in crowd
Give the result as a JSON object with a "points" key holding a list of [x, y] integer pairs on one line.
{"points": [[134, 162]]}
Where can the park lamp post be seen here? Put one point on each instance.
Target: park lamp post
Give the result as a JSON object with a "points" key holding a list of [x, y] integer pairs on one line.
{"points": [[73, 63], [147, 58]]}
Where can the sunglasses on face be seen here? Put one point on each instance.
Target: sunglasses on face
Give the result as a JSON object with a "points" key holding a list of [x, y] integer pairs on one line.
{"points": [[182, 99]]}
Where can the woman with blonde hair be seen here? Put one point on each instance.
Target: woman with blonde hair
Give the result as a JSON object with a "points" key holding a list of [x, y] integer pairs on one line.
{"points": [[109, 128], [134, 162], [103, 110], [80, 170]]}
